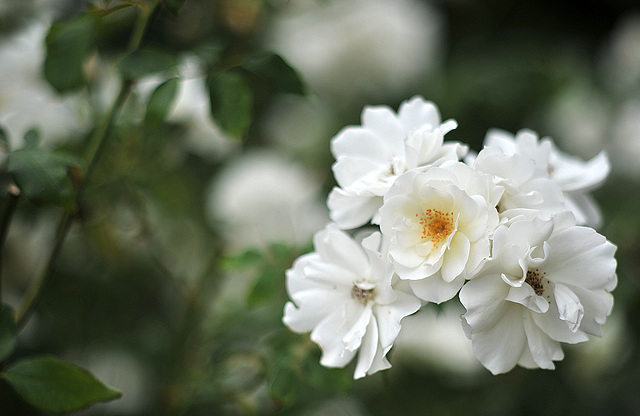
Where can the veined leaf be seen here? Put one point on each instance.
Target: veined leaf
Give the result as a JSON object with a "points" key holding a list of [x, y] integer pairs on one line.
{"points": [[68, 46], [50, 384], [231, 102], [161, 101]]}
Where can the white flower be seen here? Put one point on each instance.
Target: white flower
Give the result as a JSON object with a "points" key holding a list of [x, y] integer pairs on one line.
{"points": [[548, 282], [574, 176], [529, 191], [370, 157], [353, 50], [439, 222], [262, 198], [342, 293]]}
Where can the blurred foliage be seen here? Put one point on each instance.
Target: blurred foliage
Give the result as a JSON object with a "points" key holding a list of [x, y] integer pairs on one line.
{"points": [[143, 272]]}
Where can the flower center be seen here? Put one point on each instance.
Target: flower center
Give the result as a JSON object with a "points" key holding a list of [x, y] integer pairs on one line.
{"points": [[436, 225], [536, 280], [363, 292]]}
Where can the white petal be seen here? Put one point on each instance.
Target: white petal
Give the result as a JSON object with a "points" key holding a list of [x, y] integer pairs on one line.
{"points": [[349, 210], [368, 350], [500, 346], [328, 335], [542, 348], [389, 316], [354, 171], [314, 305], [417, 112], [361, 143], [455, 259], [525, 296], [335, 246], [581, 257], [383, 122], [570, 309], [557, 329], [483, 298], [353, 337], [435, 289]]}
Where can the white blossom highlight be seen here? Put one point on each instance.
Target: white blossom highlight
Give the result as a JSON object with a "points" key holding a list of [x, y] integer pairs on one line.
{"points": [[370, 157], [343, 294], [504, 230], [548, 282], [439, 222], [575, 177]]}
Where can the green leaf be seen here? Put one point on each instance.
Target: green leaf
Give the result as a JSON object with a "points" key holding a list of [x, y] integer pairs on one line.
{"points": [[146, 61], [231, 102], [173, 5], [267, 286], [42, 174], [5, 143], [276, 71], [161, 101], [68, 46], [50, 384], [7, 332], [32, 138]]}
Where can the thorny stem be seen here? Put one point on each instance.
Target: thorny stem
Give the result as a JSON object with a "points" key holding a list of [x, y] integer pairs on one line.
{"points": [[10, 202], [97, 145]]}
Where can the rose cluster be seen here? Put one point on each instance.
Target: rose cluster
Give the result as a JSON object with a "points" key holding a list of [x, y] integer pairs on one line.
{"points": [[508, 230]]}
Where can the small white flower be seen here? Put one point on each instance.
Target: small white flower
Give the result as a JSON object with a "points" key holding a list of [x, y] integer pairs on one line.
{"points": [[574, 176], [529, 191], [548, 282], [439, 222], [370, 157], [342, 293], [262, 198]]}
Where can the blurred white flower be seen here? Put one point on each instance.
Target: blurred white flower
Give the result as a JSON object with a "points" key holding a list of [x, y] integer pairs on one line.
{"points": [[547, 282], [620, 61], [346, 49], [625, 143], [574, 176], [26, 99], [343, 294], [439, 222], [579, 118], [370, 157], [263, 197], [529, 192]]}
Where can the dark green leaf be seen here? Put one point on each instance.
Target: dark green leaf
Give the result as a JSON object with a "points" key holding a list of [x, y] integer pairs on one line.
{"points": [[173, 5], [68, 46], [267, 286], [52, 385], [231, 102], [148, 61], [161, 101], [7, 332], [276, 71], [42, 174], [32, 138], [5, 143]]}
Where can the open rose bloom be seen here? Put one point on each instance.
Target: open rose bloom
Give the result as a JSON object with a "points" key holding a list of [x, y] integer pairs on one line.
{"points": [[506, 230]]}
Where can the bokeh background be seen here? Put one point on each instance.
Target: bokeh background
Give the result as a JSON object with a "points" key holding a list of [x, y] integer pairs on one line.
{"points": [[171, 286]]}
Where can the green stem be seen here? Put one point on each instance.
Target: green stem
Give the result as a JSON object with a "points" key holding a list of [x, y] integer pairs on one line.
{"points": [[97, 145], [10, 202]]}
